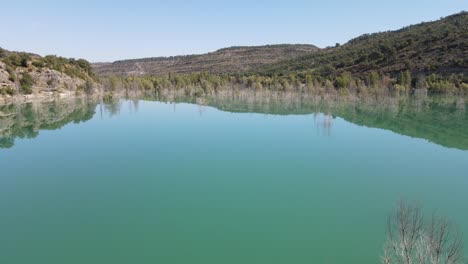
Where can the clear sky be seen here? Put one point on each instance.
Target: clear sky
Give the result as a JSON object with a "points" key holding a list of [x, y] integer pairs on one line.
{"points": [[111, 30]]}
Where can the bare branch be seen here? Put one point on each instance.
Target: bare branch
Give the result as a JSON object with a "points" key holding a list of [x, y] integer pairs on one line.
{"points": [[409, 241]]}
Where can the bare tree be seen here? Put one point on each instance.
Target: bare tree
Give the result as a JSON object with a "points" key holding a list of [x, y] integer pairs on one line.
{"points": [[410, 241], [404, 235], [445, 242]]}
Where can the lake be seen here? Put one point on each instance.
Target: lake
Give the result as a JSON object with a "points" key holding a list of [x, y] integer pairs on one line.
{"points": [[223, 180]]}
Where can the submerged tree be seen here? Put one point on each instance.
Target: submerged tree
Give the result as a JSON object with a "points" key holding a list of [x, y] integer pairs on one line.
{"points": [[410, 240]]}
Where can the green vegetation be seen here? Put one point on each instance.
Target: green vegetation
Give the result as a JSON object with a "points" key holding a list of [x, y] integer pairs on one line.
{"points": [[425, 56], [8, 90], [108, 98], [224, 61], [24, 120], [87, 87], [436, 47], [442, 120], [72, 67], [372, 84], [26, 83], [21, 66], [11, 74], [428, 56]]}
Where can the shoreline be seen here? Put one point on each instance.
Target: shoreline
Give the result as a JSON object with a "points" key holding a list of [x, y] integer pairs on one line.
{"points": [[46, 97], [171, 95]]}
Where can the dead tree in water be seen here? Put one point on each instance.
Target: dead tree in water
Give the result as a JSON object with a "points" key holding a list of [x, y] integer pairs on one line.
{"points": [[410, 241]]}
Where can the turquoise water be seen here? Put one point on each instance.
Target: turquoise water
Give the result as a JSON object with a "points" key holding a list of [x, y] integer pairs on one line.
{"points": [[155, 182]]}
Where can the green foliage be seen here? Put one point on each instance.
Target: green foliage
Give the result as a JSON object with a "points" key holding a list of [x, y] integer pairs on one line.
{"points": [[38, 64], [203, 84], [374, 79], [410, 49], [16, 59], [328, 70], [13, 60], [11, 74], [464, 87], [74, 68], [436, 84], [400, 88], [7, 90], [108, 98], [344, 80], [404, 79], [309, 79], [24, 62], [441, 87], [89, 87], [258, 86], [26, 83], [85, 65]]}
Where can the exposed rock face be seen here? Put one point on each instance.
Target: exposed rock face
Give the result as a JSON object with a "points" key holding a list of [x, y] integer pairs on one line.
{"points": [[44, 80], [26, 77], [3, 75], [51, 80]]}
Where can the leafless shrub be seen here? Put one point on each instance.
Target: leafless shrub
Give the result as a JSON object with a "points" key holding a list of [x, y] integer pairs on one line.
{"points": [[411, 241]]}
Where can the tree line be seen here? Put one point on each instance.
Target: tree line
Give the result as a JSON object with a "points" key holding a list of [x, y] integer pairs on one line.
{"points": [[374, 83]]}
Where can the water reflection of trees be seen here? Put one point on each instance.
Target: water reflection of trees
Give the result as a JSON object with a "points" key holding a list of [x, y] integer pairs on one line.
{"points": [[25, 120], [112, 108], [323, 123], [443, 121]]}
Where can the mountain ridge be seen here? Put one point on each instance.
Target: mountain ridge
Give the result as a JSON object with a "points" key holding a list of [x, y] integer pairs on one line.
{"points": [[235, 59], [439, 47]]}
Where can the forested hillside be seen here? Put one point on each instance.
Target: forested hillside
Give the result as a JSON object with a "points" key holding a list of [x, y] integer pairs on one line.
{"points": [[439, 47], [224, 61]]}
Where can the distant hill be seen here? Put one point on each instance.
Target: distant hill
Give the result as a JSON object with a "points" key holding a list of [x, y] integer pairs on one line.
{"points": [[223, 61], [439, 47]]}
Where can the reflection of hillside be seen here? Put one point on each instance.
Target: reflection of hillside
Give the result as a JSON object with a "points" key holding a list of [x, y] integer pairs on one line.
{"points": [[443, 124], [25, 120], [443, 121]]}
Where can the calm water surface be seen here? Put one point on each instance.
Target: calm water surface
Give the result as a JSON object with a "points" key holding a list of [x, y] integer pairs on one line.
{"points": [[155, 182]]}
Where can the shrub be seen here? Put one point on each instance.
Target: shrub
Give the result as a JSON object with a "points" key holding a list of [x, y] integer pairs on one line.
{"points": [[199, 92], [11, 74], [400, 89], [38, 64], [258, 86], [374, 79], [344, 81], [7, 91], [404, 79], [440, 86], [85, 65], [89, 87], [24, 62], [108, 98], [26, 83], [464, 86]]}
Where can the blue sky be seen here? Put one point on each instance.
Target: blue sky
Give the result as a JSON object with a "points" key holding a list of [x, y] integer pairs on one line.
{"points": [[111, 30]]}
